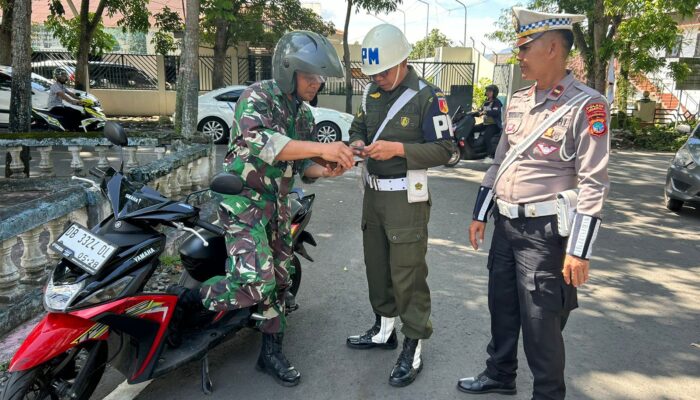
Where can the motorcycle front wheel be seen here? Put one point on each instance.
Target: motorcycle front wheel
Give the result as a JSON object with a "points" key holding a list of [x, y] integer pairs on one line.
{"points": [[296, 276], [72, 375]]}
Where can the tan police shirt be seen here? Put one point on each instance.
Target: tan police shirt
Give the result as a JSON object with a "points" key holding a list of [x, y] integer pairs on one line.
{"points": [[572, 153]]}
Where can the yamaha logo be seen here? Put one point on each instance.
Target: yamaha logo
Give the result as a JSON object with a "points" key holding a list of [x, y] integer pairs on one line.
{"points": [[118, 224], [132, 198], [145, 254]]}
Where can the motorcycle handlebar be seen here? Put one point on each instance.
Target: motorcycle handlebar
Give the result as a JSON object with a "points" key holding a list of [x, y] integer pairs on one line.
{"points": [[217, 230]]}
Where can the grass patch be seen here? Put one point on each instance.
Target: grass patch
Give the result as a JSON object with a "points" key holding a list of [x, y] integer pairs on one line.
{"points": [[169, 261]]}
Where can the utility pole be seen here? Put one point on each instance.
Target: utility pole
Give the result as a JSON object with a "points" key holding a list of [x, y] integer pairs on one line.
{"points": [[427, 20], [465, 21]]}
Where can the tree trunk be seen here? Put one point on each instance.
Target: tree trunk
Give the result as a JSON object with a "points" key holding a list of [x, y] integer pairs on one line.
{"points": [[220, 47], [6, 34], [188, 79], [82, 57], [21, 89], [600, 64], [346, 61]]}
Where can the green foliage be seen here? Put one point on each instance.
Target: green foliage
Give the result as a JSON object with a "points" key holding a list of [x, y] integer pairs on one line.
{"points": [[653, 138], [426, 46], [169, 261], [67, 31], [167, 22], [479, 96]]}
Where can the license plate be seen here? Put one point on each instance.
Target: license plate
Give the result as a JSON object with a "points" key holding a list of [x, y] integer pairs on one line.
{"points": [[84, 248]]}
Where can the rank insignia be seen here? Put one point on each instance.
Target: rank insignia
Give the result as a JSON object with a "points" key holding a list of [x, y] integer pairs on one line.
{"points": [[557, 91], [442, 103], [549, 133], [405, 121], [419, 186], [375, 95], [439, 94]]}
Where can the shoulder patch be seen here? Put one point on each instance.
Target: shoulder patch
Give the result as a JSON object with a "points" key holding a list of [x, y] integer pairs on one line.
{"points": [[597, 116], [375, 95]]}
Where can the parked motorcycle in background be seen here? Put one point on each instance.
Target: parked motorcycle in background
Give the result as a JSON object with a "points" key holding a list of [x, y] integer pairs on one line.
{"points": [[98, 312], [472, 145]]}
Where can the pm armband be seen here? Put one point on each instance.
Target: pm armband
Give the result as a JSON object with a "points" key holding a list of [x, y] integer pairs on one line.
{"points": [[484, 202], [584, 231]]}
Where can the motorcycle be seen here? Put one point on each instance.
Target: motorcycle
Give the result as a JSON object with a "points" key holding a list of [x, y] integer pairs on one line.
{"points": [[98, 312], [472, 145], [93, 118]]}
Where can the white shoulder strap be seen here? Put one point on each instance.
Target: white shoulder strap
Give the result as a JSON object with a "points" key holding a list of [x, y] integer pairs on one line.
{"points": [[513, 154], [405, 97]]}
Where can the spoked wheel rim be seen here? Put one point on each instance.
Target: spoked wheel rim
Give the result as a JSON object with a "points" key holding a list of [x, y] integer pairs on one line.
{"points": [[327, 134], [213, 129]]}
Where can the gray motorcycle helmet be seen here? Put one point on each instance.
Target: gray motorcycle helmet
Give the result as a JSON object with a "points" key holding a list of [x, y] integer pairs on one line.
{"points": [[303, 51]]}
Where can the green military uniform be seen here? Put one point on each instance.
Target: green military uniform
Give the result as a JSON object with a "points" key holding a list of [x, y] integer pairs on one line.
{"points": [[257, 221], [395, 232]]}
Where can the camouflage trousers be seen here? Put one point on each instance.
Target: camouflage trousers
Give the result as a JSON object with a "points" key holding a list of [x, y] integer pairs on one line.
{"points": [[259, 266]]}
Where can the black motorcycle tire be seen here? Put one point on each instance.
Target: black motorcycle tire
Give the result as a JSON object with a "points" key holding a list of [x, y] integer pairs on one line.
{"points": [[39, 380], [296, 276]]}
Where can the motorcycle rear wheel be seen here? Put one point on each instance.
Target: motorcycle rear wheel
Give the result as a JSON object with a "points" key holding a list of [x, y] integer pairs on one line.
{"points": [[79, 369]]}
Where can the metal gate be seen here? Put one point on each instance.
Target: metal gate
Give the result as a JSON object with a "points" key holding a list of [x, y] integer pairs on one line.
{"points": [[254, 68], [502, 74]]}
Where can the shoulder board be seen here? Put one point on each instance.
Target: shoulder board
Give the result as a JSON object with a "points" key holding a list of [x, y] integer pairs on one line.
{"points": [[588, 90]]}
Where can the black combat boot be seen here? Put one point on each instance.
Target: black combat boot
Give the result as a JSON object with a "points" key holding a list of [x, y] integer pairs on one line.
{"points": [[408, 365], [382, 334], [273, 362]]}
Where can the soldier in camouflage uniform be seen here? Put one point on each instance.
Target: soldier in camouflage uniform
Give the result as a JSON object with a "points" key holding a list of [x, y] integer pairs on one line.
{"points": [[269, 145]]}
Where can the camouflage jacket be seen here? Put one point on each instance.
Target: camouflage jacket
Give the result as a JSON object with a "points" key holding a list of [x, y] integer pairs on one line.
{"points": [[265, 121]]}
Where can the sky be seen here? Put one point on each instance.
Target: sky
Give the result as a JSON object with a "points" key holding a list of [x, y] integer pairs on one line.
{"points": [[445, 15]]}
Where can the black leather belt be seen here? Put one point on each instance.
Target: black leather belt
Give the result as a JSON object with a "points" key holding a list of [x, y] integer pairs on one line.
{"points": [[398, 176]]}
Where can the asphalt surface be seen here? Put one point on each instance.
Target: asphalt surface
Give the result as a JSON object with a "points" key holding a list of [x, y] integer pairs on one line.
{"points": [[631, 338]]}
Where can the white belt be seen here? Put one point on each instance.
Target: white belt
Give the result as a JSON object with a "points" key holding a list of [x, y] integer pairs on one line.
{"points": [[541, 209], [386, 185]]}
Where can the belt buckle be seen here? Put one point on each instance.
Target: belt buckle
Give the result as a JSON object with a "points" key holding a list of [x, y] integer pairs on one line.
{"points": [[531, 210]]}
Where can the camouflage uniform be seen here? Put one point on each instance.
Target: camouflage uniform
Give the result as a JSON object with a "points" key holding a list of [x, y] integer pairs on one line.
{"points": [[257, 221]]}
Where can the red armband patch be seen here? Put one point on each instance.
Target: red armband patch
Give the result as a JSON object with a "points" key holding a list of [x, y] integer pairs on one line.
{"points": [[597, 116]]}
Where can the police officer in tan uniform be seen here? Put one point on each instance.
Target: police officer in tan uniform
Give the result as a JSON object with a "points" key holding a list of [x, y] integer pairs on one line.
{"points": [[533, 269]]}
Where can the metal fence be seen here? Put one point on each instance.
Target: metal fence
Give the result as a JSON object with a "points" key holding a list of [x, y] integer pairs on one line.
{"points": [[254, 68], [501, 77]]}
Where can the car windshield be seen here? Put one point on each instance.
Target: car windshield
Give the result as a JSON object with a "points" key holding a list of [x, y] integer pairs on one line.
{"points": [[39, 82]]}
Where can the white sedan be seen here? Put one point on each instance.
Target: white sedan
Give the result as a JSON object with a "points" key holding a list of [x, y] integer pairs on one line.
{"points": [[40, 93], [216, 109]]}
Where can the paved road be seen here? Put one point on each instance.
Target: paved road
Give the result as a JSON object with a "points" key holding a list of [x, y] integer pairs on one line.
{"points": [[631, 338]]}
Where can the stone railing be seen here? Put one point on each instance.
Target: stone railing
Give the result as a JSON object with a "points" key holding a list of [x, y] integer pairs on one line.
{"points": [[35, 211]]}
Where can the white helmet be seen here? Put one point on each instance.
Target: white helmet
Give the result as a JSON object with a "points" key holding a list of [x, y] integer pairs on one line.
{"points": [[383, 47]]}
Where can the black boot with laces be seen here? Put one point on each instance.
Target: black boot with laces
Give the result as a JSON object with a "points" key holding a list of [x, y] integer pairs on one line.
{"points": [[382, 335], [273, 362], [408, 365]]}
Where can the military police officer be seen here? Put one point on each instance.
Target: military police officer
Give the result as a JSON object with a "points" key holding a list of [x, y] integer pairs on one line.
{"points": [[269, 144], [552, 158], [402, 128]]}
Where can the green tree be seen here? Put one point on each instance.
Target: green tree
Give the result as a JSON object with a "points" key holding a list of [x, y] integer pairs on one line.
{"points": [[630, 30], [65, 30], [479, 96], [167, 22], [258, 22], [374, 6], [87, 27], [425, 47]]}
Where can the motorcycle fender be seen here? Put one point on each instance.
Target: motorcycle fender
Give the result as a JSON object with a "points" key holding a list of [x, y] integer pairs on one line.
{"points": [[53, 335]]}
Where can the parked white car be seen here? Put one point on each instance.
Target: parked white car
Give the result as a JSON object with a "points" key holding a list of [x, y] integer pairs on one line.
{"points": [[216, 109], [40, 94]]}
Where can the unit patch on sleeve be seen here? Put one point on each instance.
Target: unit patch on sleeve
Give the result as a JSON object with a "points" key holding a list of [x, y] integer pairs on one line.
{"points": [[597, 117]]}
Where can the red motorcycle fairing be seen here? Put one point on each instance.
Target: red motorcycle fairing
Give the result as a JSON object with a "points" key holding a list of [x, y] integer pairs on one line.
{"points": [[56, 333]]}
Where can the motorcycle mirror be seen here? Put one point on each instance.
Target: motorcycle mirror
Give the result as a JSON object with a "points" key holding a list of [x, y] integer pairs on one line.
{"points": [[226, 183], [115, 134]]}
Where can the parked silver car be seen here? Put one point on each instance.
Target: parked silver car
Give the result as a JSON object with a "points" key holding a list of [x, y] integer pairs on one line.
{"points": [[683, 176]]}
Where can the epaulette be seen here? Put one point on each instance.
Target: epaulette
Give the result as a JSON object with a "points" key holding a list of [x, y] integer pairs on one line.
{"points": [[525, 89]]}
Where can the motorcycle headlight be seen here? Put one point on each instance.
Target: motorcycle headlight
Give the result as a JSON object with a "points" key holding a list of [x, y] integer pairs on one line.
{"points": [[683, 158], [58, 297], [108, 293]]}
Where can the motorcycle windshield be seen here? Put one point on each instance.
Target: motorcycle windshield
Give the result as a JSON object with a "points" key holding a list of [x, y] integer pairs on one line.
{"points": [[128, 199]]}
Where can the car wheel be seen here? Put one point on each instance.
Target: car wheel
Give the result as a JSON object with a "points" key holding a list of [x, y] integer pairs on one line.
{"points": [[327, 132], [214, 128], [674, 205]]}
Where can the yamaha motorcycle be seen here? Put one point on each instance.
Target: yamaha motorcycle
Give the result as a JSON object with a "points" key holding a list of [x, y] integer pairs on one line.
{"points": [[93, 118], [98, 312]]}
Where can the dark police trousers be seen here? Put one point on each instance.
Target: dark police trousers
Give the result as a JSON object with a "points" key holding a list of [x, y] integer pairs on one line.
{"points": [[527, 289], [395, 240]]}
